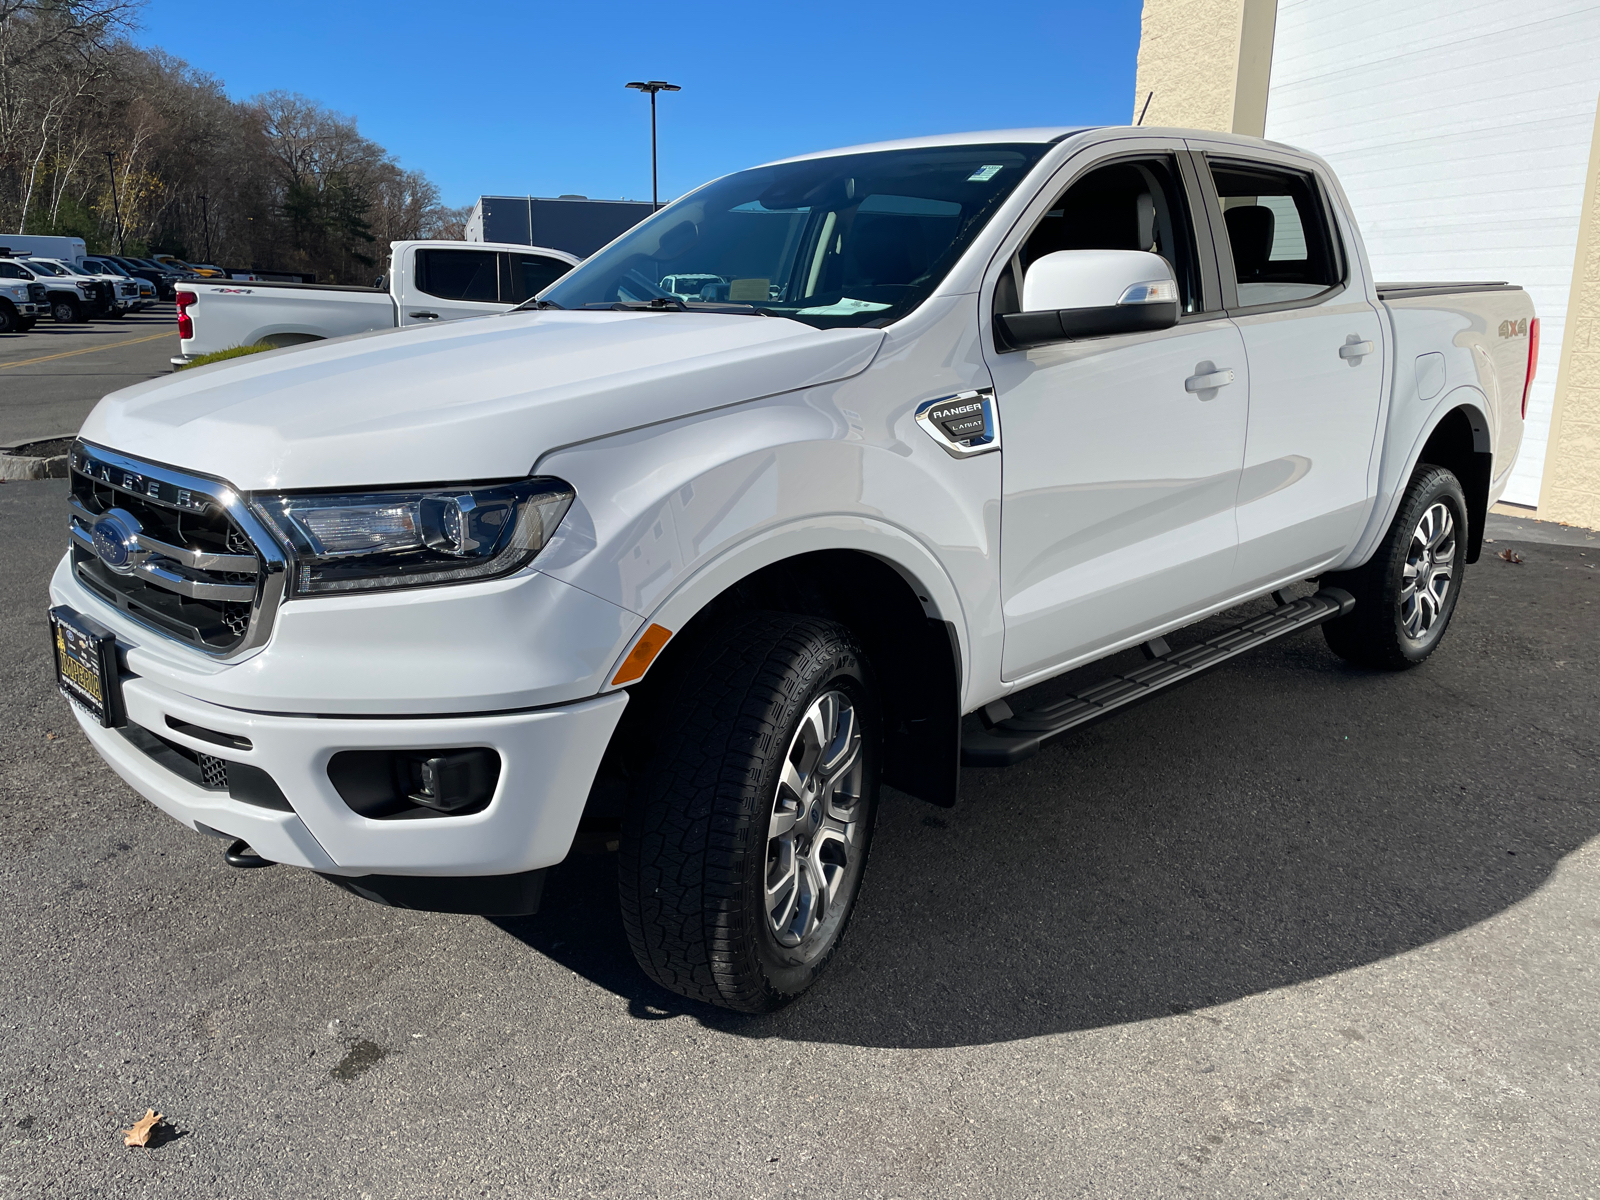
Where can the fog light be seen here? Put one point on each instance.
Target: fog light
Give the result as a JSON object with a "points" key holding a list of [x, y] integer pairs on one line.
{"points": [[388, 785], [451, 782]]}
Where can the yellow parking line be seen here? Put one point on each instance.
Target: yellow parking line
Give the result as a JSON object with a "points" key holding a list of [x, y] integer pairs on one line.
{"points": [[88, 350]]}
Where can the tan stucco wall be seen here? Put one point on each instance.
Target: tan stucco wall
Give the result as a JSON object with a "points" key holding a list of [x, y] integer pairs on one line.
{"points": [[1207, 63], [1570, 490]]}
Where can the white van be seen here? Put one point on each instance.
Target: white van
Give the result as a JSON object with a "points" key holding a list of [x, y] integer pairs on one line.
{"points": [[69, 250]]}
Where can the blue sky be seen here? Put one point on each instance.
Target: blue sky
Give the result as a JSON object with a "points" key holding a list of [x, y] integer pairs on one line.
{"points": [[503, 98]]}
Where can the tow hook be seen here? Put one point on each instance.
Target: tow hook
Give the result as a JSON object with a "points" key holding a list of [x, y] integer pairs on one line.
{"points": [[240, 855]]}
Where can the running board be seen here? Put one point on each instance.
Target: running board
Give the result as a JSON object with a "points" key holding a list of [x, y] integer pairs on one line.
{"points": [[1009, 737]]}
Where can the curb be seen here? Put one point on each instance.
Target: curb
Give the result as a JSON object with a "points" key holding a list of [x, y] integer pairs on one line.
{"points": [[23, 466]]}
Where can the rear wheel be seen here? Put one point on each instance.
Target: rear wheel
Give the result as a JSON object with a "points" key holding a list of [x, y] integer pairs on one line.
{"points": [[744, 848], [1406, 592], [65, 311]]}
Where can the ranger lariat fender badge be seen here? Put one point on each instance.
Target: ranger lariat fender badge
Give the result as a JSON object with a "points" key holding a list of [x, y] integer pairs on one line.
{"points": [[964, 424]]}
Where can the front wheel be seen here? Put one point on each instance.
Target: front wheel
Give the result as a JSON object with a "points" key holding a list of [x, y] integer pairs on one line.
{"points": [[66, 312], [744, 847], [1406, 592]]}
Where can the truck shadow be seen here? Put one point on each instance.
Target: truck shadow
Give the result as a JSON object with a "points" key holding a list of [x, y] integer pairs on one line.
{"points": [[1284, 819]]}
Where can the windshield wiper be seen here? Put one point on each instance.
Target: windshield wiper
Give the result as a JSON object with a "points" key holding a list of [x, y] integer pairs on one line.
{"points": [[535, 306], [672, 304]]}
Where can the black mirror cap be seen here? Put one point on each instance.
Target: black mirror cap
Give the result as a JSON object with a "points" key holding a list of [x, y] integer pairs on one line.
{"points": [[1024, 330]]}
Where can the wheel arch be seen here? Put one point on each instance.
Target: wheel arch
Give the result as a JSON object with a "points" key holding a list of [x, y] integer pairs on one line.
{"points": [[875, 579], [1459, 432], [1459, 440]]}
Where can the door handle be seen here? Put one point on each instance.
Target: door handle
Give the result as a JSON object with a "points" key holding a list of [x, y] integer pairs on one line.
{"points": [[1210, 381], [1355, 349], [427, 316]]}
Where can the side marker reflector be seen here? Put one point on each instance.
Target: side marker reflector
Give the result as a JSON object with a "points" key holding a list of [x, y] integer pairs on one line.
{"points": [[643, 654]]}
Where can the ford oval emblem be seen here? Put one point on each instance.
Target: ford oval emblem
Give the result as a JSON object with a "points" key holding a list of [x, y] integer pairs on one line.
{"points": [[116, 539]]}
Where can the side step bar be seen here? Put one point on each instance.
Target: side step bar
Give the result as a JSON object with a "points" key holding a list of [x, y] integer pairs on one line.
{"points": [[1011, 736]]}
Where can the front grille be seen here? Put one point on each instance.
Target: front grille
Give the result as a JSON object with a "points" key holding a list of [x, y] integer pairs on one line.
{"points": [[178, 553], [38, 293]]}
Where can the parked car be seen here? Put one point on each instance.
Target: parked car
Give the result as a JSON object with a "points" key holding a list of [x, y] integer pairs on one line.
{"points": [[190, 268], [145, 291], [163, 279], [405, 610], [38, 294], [112, 296], [69, 297], [428, 282], [18, 311]]}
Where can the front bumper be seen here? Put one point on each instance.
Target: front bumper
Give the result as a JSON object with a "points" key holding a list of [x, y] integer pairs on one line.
{"points": [[548, 762], [512, 664]]}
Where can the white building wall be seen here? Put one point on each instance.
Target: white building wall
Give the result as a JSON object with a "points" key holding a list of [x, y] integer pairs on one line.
{"points": [[1460, 130]]}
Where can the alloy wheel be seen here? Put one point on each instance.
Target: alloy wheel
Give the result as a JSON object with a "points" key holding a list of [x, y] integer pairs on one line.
{"points": [[1428, 571], [815, 833]]}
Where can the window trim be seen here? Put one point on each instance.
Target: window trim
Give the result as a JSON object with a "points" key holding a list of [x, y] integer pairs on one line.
{"points": [[1219, 233]]}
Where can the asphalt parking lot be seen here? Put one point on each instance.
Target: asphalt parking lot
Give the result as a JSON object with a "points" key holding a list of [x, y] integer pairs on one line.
{"points": [[51, 376], [1294, 929]]}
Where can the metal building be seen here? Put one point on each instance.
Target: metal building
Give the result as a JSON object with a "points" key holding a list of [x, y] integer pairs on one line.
{"points": [[575, 224]]}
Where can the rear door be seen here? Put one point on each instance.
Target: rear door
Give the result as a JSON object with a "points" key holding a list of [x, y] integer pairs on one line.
{"points": [[447, 284], [1291, 280], [1118, 480]]}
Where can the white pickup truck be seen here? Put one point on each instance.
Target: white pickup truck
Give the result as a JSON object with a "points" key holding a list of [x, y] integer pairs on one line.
{"points": [[960, 415], [427, 282]]}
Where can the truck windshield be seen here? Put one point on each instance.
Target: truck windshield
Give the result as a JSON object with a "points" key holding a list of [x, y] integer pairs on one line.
{"points": [[852, 239]]}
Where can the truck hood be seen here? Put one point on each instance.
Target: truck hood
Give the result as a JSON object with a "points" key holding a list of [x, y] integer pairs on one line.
{"points": [[474, 399]]}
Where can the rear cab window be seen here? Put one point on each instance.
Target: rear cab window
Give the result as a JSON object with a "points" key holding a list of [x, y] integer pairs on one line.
{"points": [[459, 274], [1279, 246]]}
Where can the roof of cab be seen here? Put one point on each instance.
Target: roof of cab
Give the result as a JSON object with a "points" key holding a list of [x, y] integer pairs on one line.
{"points": [[1048, 133]]}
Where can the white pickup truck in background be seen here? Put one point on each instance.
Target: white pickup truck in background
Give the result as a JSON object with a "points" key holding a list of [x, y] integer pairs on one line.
{"points": [[427, 282], [800, 486]]}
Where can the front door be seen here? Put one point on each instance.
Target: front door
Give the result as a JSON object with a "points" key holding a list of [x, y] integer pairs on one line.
{"points": [[1118, 480], [1315, 347]]}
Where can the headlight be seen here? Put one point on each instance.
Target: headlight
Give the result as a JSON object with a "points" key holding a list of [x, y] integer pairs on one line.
{"points": [[357, 541]]}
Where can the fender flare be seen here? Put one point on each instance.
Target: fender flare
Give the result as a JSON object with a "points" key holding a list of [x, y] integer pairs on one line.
{"points": [[908, 556], [1465, 397]]}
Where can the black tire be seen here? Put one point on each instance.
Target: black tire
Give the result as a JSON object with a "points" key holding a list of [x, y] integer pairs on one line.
{"points": [[66, 312], [115, 314], [698, 838], [1386, 630], [10, 322], [27, 323]]}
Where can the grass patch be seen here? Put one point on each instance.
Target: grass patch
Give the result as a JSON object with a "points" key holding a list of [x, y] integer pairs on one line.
{"points": [[224, 355]]}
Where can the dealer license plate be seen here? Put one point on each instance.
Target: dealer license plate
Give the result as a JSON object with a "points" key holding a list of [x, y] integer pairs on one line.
{"points": [[86, 665]]}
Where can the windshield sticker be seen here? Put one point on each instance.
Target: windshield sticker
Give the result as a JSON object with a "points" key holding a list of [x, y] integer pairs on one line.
{"points": [[841, 308], [984, 174], [748, 290]]}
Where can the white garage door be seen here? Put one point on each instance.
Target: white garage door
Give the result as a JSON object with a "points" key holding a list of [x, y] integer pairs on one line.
{"points": [[1461, 131]]}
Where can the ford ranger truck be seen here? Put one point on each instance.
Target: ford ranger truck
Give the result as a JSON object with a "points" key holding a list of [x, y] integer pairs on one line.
{"points": [[428, 282], [917, 427]]}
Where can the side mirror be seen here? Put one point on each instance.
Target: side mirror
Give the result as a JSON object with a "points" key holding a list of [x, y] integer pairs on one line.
{"points": [[1092, 293]]}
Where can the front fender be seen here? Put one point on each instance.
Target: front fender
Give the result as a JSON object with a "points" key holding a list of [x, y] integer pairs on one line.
{"points": [[892, 545]]}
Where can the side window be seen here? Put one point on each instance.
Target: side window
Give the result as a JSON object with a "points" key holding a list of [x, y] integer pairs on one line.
{"points": [[1133, 204], [12, 271], [536, 272], [1282, 249], [458, 274]]}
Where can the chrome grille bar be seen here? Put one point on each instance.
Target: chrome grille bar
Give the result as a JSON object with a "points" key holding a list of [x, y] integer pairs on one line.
{"points": [[177, 536]]}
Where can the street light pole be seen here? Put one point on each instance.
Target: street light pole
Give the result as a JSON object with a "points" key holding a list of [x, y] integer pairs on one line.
{"points": [[111, 168], [653, 86]]}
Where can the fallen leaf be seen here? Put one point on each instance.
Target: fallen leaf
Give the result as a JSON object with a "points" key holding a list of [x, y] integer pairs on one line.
{"points": [[142, 1129], [50, 737], [1510, 555]]}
